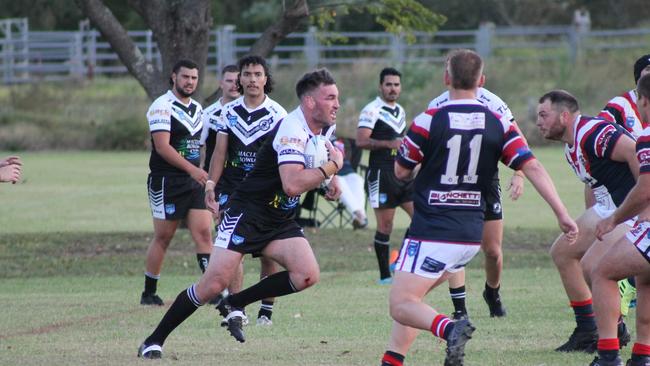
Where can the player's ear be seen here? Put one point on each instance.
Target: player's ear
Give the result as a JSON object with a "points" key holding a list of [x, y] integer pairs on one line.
{"points": [[481, 81], [447, 77]]}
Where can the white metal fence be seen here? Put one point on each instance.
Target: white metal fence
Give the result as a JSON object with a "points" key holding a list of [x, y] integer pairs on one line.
{"points": [[28, 56]]}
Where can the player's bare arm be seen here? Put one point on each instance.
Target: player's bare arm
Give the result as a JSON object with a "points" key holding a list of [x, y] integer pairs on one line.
{"points": [[542, 182], [365, 142], [215, 171], [167, 152]]}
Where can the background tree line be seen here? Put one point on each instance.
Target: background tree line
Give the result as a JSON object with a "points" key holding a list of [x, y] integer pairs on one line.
{"points": [[256, 15]]}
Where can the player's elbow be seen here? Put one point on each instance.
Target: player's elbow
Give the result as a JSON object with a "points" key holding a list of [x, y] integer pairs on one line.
{"points": [[292, 189]]}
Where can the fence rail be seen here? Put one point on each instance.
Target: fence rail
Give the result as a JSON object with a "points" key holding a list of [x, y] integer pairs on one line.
{"points": [[28, 56]]}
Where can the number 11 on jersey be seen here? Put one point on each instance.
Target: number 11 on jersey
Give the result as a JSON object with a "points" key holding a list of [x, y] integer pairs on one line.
{"points": [[454, 144]]}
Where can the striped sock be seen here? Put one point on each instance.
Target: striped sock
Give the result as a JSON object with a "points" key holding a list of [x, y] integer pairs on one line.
{"points": [[392, 359], [266, 309], [640, 352], [185, 305], [458, 296], [441, 326], [584, 313], [150, 283], [608, 349]]}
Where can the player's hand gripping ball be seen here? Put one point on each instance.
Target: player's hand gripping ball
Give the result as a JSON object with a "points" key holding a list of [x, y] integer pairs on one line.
{"points": [[317, 154]]}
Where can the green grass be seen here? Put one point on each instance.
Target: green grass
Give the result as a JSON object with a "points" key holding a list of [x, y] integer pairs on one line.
{"points": [[95, 318], [73, 236], [106, 192]]}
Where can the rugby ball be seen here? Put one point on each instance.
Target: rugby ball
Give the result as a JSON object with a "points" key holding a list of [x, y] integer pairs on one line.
{"points": [[316, 154]]}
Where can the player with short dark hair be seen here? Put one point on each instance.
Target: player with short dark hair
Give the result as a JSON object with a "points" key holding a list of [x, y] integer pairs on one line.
{"points": [[260, 215], [211, 114], [175, 182], [629, 256], [602, 156], [382, 124], [491, 242], [458, 147], [243, 127]]}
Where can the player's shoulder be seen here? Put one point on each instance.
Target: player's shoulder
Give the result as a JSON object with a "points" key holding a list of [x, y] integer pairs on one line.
{"points": [[233, 103], [372, 106], [213, 108], [164, 101], [439, 100], [274, 107]]}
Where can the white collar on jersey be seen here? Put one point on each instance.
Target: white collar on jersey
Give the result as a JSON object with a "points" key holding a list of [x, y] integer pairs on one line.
{"points": [[171, 95], [464, 102], [383, 103], [265, 103]]}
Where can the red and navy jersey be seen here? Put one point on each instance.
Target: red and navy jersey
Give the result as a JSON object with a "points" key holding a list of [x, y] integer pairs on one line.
{"points": [[590, 158], [643, 151], [458, 147], [184, 124], [624, 111], [247, 130]]}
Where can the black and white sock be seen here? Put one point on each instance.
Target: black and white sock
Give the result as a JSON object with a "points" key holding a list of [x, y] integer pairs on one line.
{"points": [[275, 285]]}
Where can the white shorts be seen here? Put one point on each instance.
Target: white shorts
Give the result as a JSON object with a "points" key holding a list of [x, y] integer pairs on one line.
{"points": [[639, 236], [604, 212], [432, 259]]}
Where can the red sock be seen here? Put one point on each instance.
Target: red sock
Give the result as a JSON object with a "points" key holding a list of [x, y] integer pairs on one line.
{"points": [[641, 349], [392, 359], [439, 324], [608, 344]]}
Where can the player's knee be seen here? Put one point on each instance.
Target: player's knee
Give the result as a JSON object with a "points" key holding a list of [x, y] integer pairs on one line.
{"points": [[305, 278], [492, 251]]}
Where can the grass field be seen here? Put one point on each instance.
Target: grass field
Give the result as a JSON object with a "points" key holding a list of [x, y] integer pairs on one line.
{"points": [[72, 240]]}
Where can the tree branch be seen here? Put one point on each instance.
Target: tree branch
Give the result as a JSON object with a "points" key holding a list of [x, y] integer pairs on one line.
{"points": [[111, 29], [290, 22]]}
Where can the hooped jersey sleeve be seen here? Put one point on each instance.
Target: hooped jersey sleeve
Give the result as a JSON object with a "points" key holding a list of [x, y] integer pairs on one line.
{"points": [[643, 151], [411, 151], [601, 140], [515, 152], [159, 114]]}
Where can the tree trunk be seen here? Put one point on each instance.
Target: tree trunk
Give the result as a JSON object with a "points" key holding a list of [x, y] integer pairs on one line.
{"points": [[180, 28], [290, 22]]}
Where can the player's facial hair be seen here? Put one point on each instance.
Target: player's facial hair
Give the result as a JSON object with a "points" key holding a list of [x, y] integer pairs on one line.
{"points": [[182, 92]]}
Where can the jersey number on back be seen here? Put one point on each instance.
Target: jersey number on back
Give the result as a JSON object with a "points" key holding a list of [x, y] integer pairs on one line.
{"points": [[454, 145]]}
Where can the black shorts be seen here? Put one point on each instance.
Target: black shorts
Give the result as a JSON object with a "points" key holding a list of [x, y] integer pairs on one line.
{"points": [[247, 232], [171, 198], [384, 190], [493, 210]]}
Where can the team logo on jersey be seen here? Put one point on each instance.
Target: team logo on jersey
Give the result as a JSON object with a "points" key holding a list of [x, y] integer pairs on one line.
{"points": [[629, 122], [455, 198], [237, 240], [223, 198], [265, 124], [232, 119], [638, 229], [170, 208], [412, 248], [431, 265]]}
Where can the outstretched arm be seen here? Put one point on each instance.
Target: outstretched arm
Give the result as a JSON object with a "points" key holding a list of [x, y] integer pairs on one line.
{"points": [[542, 182]]}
